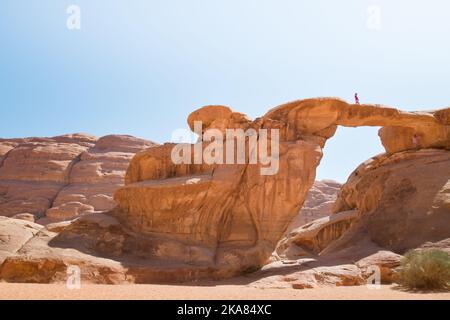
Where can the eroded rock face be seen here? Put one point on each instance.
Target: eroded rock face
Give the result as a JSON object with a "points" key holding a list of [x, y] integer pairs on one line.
{"points": [[403, 199], [386, 261], [62, 177], [397, 202], [93, 179], [33, 258], [318, 203], [232, 213], [34, 170], [315, 236], [308, 274], [178, 222], [14, 234], [319, 117]]}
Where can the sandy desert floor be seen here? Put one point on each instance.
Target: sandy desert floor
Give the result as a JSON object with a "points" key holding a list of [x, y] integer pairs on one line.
{"points": [[238, 292]]}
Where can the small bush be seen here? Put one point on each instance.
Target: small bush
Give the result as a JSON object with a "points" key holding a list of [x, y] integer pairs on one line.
{"points": [[425, 270]]}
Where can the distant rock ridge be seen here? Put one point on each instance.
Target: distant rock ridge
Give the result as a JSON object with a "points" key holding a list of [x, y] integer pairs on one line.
{"points": [[65, 176], [318, 203]]}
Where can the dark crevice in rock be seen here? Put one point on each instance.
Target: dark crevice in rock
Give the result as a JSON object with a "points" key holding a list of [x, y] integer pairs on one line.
{"points": [[66, 179], [5, 156]]}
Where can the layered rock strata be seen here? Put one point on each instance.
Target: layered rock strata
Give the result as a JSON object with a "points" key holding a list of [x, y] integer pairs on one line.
{"points": [[63, 177]]}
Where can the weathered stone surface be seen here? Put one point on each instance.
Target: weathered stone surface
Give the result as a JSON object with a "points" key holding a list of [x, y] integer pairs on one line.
{"points": [[403, 199], [385, 261], [178, 222], [34, 197], [232, 211], [443, 245], [315, 236], [309, 273], [35, 169], [218, 117], [5, 147], [320, 116], [25, 216], [58, 226], [318, 203], [39, 261], [343, 275], [96, 176], [65, 176], [100, 247], [14, 234], [40, 161]]}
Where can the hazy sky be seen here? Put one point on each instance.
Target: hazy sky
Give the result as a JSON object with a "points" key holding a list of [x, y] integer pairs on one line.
{"points": [[140, 67]]}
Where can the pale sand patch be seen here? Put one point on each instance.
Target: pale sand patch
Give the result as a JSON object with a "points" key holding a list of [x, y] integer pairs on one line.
{"points": [[237, 292]]}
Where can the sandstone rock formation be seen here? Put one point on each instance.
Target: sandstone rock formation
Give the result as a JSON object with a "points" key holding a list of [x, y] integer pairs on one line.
{"points": [[231, 216], [318, 203], [315, 236], [336, 270], [29, 256], [403, 199], [314, 215], [178, 222], [65, 176], [14, 234], [233, 213], [397, 202]]}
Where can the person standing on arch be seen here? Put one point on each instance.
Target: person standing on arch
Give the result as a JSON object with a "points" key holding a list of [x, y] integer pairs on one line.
{"points": [[356, 98]]}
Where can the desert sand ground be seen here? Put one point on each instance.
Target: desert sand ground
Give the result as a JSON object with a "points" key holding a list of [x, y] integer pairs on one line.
{"points": [[237, 292]]}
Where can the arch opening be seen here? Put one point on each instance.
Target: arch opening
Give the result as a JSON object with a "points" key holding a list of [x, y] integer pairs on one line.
{"points": [[347, 149]]}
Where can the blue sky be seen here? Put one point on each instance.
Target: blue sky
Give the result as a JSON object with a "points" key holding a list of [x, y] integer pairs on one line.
{"points": [[140, 67]]}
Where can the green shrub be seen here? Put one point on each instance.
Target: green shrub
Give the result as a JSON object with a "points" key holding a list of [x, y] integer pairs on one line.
{"points": [[425, 270]]}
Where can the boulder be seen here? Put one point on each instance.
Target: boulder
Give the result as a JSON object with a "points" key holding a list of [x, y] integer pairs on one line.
{"points": [[402, 198], [315, 236], [235, 213], [384, 261], [37, 261], [309, 274], [14, 234]]}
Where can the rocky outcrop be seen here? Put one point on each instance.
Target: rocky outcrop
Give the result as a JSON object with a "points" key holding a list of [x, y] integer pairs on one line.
{"points": [[386, 261], [318, 203], [186, 221], [96, 176], [315, 236], [35, 259], [14, 234], [63, 177], [397, 202], [314, 215], [308, 274], [365, 266], [234, 215], [401, 203], [319, 117], [231, 214], [403, 199]]}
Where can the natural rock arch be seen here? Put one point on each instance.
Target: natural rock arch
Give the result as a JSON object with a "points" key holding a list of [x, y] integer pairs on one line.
{"points": [[189, 221], [230, 217]]}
